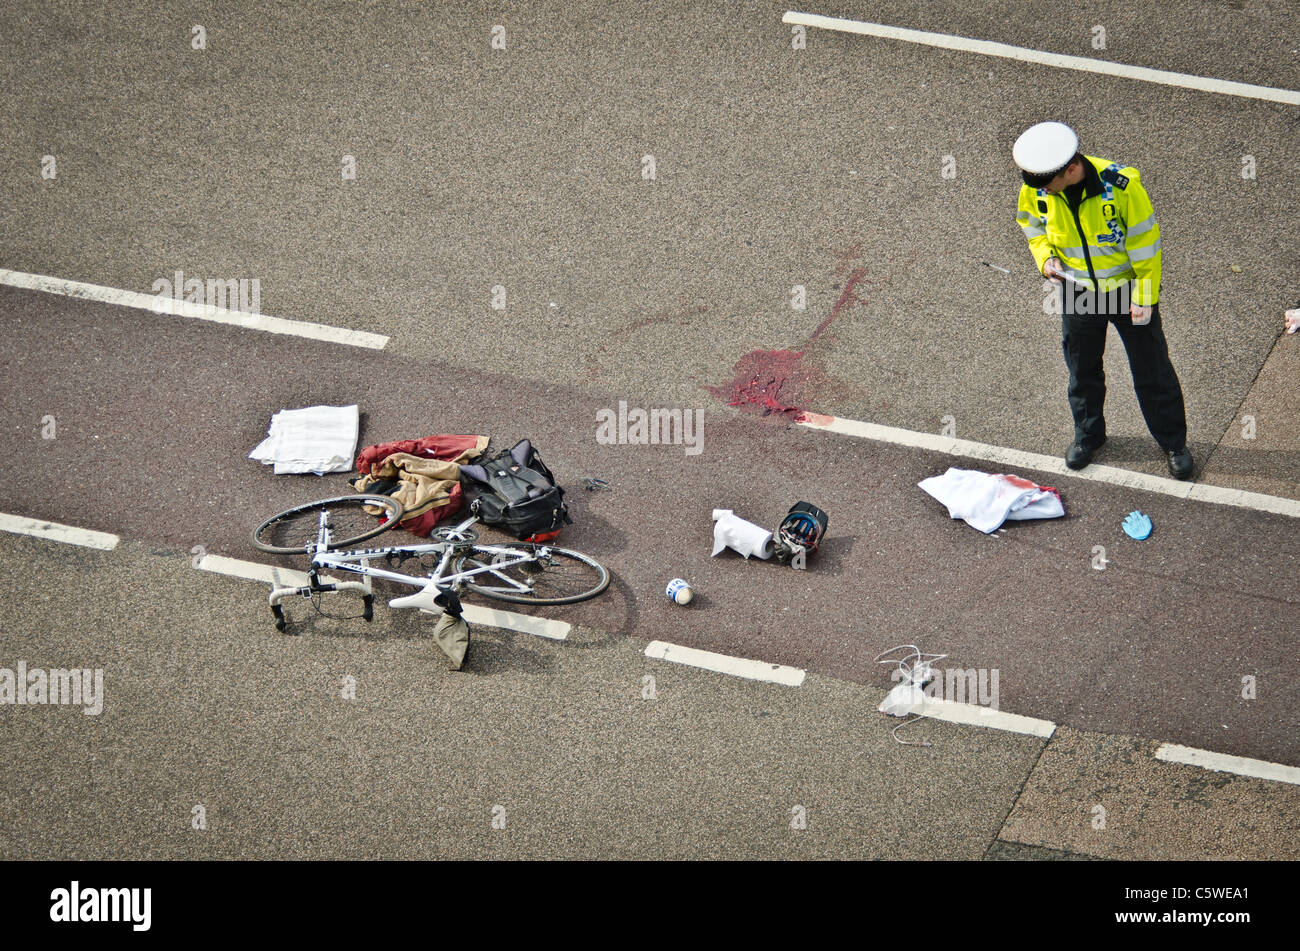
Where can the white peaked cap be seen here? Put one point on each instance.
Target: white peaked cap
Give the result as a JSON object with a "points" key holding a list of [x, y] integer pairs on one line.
{"points": [[1046, 147]]}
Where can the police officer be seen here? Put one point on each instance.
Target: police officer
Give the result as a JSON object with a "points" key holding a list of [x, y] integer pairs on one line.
{"points": [[1091, 230]]}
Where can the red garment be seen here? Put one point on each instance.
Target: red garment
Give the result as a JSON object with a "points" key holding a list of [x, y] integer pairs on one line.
{"points": [[423, 524], [431, 447]]}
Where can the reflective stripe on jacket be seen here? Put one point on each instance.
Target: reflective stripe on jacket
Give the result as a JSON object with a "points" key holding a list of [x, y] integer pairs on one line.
{"points": [[1115, 239]]}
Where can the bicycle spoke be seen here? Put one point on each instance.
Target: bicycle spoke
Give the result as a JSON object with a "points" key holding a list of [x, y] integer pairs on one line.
{"points": [[549, 576], [349, 519], [497, 576]]}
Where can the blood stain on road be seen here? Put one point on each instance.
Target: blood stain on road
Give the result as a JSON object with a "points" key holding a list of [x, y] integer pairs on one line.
{"points": [[846, 257], [682, 317], [769, 382], [774, 382], [848, 298]]}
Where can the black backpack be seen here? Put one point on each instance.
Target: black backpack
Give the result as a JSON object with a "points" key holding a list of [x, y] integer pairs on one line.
{"points": [[516, 492]]}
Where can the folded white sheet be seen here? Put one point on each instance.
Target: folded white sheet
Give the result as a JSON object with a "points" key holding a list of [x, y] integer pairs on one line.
{"points": [[317, 439]]}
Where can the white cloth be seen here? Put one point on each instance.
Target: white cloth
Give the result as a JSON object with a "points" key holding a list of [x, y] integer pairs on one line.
{"points": [[316, 439], [985, 501], [731, 531]]}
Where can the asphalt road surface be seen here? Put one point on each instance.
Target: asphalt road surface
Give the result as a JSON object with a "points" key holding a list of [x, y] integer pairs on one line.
{"points": [[523, 173]]}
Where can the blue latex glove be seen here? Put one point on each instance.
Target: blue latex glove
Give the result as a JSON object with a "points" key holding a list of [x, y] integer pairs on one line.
{"points": [[1137, 525]]}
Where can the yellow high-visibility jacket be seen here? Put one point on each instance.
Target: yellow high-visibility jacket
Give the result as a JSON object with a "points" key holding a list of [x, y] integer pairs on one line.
{"points": [[1111, 240]]}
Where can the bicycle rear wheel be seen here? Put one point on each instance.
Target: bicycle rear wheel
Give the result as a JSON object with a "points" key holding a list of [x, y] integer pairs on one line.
{"points": [[553, 576], [350, 518]]}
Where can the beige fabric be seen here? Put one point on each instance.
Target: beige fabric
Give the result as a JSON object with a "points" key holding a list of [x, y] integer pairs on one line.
{"points": [[452, 635], [425, 483]]}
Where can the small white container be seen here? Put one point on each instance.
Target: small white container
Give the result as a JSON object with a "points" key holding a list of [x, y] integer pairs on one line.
{"points": [[679, 592]]}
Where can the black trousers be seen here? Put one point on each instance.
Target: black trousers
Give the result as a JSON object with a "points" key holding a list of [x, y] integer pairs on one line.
{"points": [[1083, 339]]}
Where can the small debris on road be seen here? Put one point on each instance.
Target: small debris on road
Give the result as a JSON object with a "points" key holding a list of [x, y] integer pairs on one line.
{"points": [[1137, 525], [913, 669], [679, 591]]}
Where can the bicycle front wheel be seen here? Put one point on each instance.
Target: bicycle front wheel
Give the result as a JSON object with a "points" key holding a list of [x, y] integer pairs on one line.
{"points": [[551, 576], [350, 519]]}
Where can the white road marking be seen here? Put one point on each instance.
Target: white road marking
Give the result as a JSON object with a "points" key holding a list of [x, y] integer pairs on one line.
{"points": [[526, 623], [972, 714], [723, 664], [256, 571], [1222, 762], [159, 304], [1016, 458], [1006, 51], [933, 707], [288, 577], [54, 531]]}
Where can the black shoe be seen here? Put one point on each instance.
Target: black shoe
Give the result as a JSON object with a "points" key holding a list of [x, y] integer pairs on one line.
{"points": [[449, 601], [1080, 454], [1180, 463]]}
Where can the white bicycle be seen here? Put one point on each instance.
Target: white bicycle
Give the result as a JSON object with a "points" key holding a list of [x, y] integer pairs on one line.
{"points": [[521, 572]]}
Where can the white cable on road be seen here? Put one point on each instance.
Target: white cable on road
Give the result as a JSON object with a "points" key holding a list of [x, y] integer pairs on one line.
{"points": [[161, 304], [964, 44]]}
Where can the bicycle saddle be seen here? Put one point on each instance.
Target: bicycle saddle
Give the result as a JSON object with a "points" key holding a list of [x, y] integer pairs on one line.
{"points": [[426, 599]]}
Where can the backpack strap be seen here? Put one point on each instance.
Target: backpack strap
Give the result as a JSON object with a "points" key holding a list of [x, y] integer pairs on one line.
{"points": [[532, 477], [514, 484], [504, 484], [509, 476]]}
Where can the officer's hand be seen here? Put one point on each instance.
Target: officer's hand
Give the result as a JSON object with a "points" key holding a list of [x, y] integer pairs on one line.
{"points": [[1141, 315], [1053, 270]]}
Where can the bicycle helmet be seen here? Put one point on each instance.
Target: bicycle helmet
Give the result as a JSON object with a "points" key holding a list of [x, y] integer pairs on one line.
{"points": [[802, 528]]}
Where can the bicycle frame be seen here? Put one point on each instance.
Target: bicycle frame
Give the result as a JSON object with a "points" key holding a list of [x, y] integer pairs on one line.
{"points": [[357, 561]]}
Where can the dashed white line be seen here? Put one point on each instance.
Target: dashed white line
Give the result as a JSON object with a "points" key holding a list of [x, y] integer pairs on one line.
{"points": [[964, 44], [525, 623], [724, 664], [1018, 458], [933, 707], [972, 714], [159, 304], [256, 571], [1222, 762], [54, 531], [288, 577]]}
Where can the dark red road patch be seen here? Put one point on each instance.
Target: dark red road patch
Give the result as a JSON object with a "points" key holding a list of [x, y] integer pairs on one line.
{"points": [[769, 382]]}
